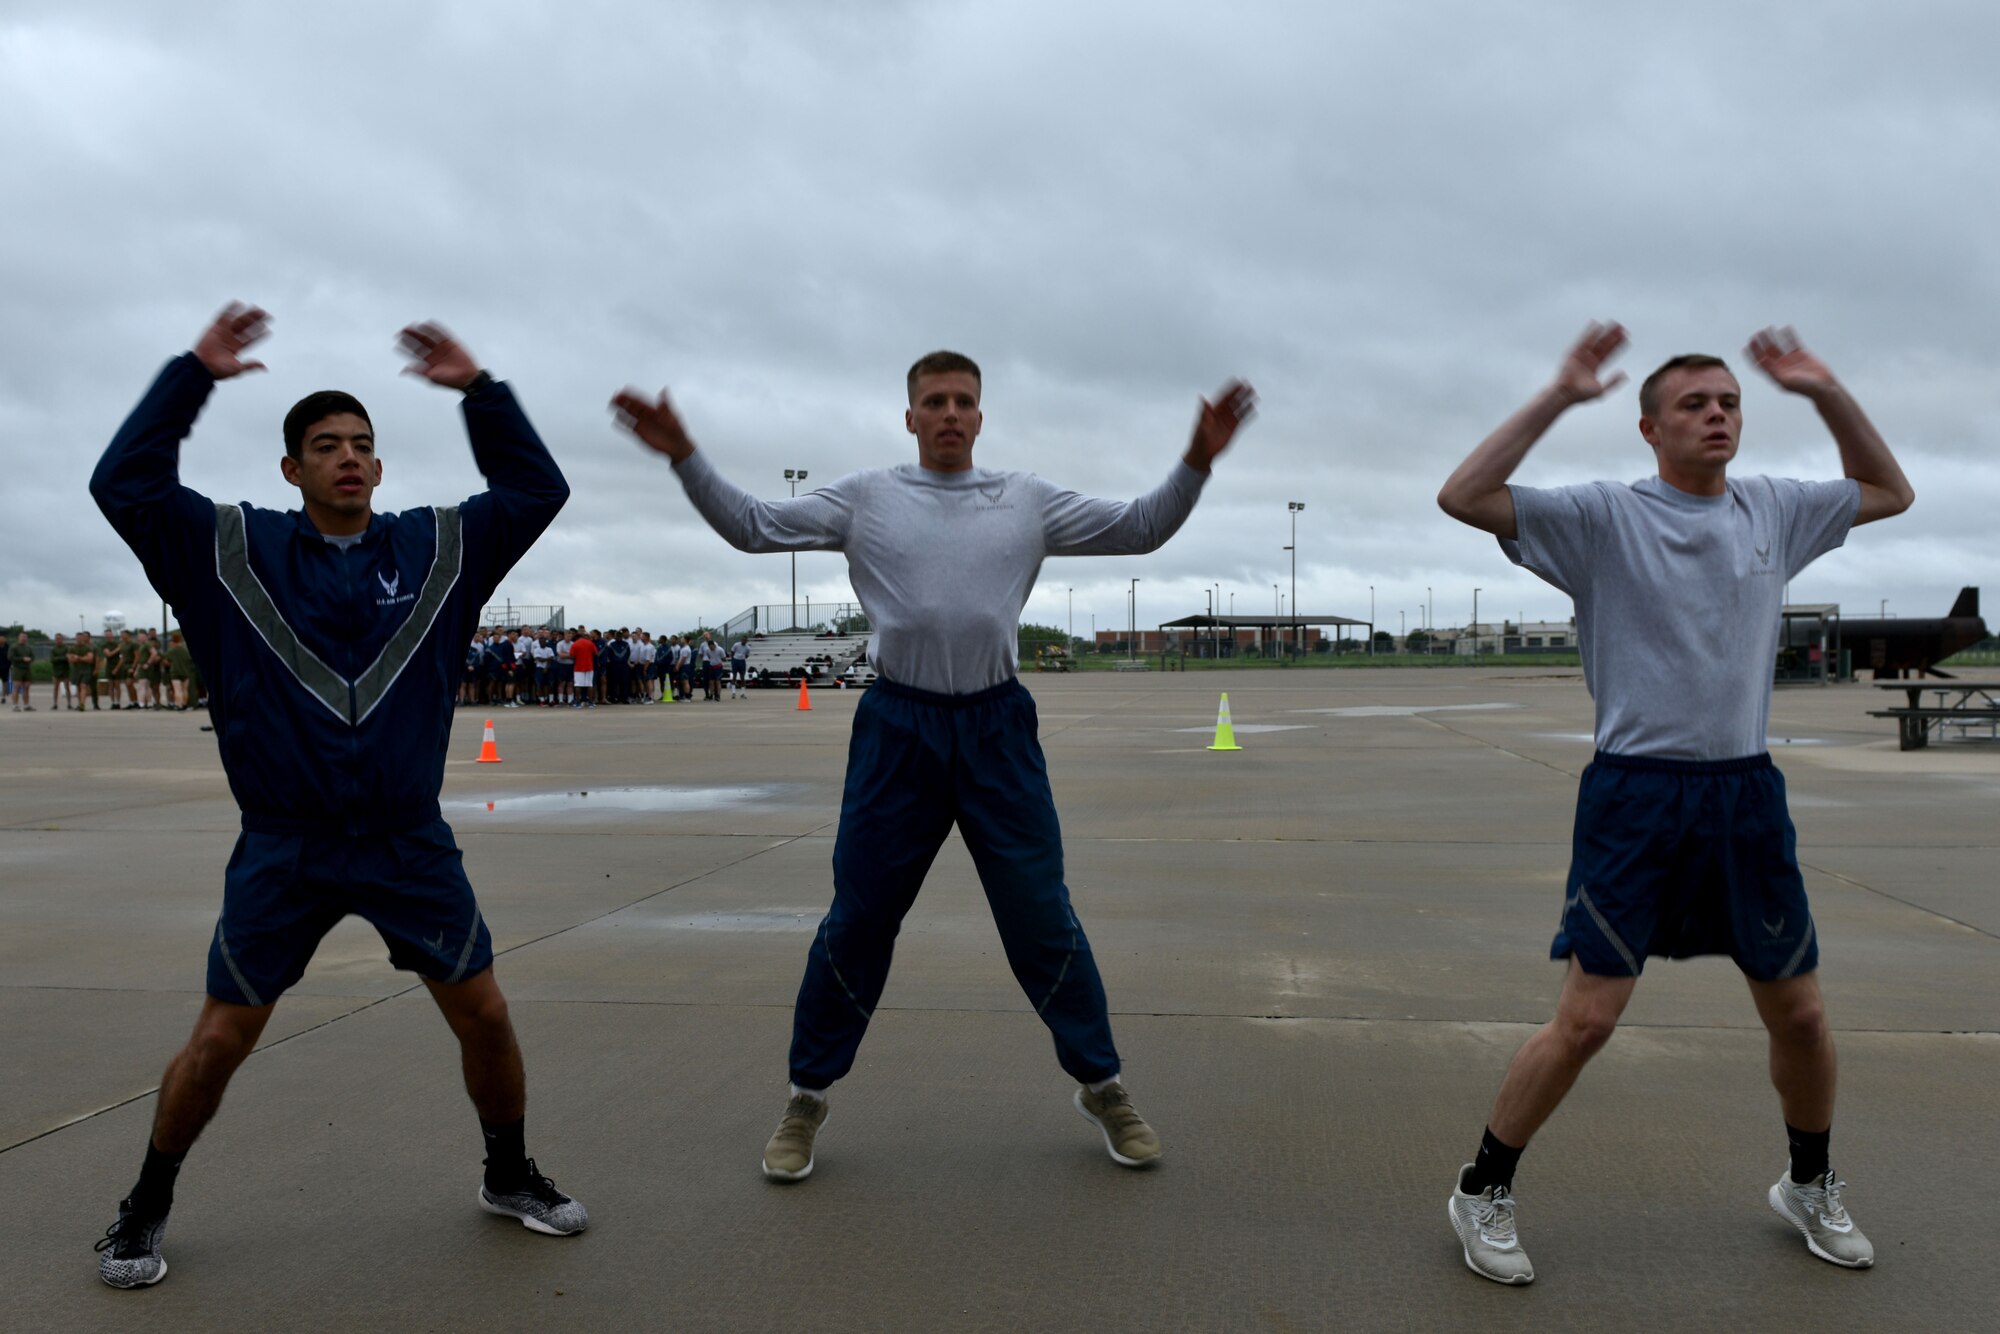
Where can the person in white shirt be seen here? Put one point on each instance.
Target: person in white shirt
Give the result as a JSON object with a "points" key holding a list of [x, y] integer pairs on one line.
{"points": [[739, 668]]}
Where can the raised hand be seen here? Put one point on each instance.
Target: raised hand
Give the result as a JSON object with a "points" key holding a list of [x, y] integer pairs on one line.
{"points": [[1780, 355], [1219, 422], [437, 356], [220, 346], [655, 423], [1580, 378]]}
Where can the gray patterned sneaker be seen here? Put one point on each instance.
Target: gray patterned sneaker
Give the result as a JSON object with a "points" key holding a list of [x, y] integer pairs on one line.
{"points": [[129, 1254], [789, 1155], [538, 1204], [1815, 1210], [1127, 1138], [1485, 1227]]}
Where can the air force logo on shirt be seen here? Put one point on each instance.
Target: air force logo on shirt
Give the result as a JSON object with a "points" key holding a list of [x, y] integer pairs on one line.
{"points": [[992, 493], [389, 587]]}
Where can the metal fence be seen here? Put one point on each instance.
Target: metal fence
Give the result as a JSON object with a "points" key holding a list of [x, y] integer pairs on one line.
{"points": [[841, 618], [525, 616]]}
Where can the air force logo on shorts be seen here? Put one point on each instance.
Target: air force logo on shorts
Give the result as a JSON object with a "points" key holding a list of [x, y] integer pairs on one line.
{"points": [[1681, 857]]}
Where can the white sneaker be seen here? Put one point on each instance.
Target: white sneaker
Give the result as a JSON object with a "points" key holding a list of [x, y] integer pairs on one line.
{"points": [[1485, 1227], [1816, 1211]]}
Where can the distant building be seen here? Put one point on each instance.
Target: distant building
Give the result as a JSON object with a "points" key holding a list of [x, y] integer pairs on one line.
{"points": [[1511, 637]]}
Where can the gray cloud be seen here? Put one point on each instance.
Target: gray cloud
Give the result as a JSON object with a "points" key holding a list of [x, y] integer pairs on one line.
{"points": [[1391, 218]]}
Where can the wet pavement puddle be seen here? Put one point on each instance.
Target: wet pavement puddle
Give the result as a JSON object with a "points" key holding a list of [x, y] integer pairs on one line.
{"points": [[618, 801], [773, 919], [1404, 710], [1772, 742], [1248, 728]]}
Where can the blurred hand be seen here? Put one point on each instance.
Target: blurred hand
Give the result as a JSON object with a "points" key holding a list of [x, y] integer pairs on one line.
{"points": [[437, 356], [237, 327], [1780, 355], [1578, 379], [655, 423], [1219, 422]]}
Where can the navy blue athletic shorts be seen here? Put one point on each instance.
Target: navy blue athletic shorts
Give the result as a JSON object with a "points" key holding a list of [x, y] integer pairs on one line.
{"points": [[1677, 858], [283, 892]]}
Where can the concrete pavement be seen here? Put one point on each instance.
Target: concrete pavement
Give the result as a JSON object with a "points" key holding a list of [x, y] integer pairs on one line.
{"points": [[1320, 953]]}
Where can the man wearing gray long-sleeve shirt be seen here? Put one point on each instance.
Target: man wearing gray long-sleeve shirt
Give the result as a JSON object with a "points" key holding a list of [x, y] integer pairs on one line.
{"points": [[943, 556]]}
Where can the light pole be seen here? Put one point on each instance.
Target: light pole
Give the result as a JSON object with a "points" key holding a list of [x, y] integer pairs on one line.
{"points": [[1883, 611], [1295, 506], [1209, 593], [1402, 630], [795, 476], [1475, 622], [1371, 620], [1277, 609], [1132, 636], [1428, 603], [1284, 654], [1071, 646]]}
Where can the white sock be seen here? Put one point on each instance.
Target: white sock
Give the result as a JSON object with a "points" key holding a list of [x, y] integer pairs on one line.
{"points": [[817, 1095], [1102, 1084]]}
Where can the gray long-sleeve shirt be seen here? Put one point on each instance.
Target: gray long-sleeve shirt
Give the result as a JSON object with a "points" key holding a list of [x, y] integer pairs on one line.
{"points": [[943, 562]]}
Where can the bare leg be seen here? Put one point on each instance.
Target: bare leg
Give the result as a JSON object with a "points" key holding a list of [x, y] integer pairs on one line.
{"points": [[1549, 1062], [191, 1089], [488, 1053], [1802, 1060]]}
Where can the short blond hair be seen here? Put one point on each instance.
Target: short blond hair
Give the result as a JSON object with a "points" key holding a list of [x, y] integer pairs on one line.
{"points": [[941, 363]]}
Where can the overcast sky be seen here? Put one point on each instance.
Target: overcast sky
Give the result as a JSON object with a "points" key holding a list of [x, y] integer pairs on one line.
{"points": [[1392, 218]]}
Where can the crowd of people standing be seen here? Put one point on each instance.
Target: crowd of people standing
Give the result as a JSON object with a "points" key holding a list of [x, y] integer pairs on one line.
{"points": [[132, 669], [582, 668], [520, 667]]}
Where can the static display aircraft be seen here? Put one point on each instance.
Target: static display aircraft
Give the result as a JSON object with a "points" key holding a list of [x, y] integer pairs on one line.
{"points": [[1895, 645]]}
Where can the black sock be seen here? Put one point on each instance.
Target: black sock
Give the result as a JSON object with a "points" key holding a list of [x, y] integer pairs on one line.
{"points": [[1809, 1152], [1493, 1167], [506, 1152], [154, 1195]]}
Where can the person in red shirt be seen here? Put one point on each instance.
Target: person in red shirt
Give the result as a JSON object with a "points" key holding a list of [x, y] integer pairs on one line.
{"points": [[583, 654]]}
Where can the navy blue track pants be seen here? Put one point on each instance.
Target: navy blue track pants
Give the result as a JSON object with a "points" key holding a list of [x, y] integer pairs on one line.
{"points": [[918, 763]]}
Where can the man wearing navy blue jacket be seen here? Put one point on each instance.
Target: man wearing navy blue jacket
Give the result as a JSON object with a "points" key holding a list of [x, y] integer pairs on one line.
{"points": [[333, 634]]}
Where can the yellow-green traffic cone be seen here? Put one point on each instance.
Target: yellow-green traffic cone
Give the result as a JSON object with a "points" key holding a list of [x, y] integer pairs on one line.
{"points": [[1225, 735]]}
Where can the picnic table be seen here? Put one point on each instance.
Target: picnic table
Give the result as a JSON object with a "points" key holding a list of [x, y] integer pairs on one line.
{"points": [[1960, 704]]}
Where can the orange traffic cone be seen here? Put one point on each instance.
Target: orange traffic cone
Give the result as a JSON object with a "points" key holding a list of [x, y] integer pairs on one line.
{"points": [[805, 699], [489, 751]]}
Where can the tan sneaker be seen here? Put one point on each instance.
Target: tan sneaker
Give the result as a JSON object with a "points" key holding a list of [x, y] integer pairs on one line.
{"points": [[789, 1155], [1127, 1138]]}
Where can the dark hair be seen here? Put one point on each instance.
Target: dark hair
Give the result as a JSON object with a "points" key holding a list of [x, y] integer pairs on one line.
{"points": [[1649, 392], [317, 407], [941, 363]]}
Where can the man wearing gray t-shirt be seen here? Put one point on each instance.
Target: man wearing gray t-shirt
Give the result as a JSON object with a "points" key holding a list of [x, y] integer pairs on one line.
{"points": [[1683, 843], [943, 555]]}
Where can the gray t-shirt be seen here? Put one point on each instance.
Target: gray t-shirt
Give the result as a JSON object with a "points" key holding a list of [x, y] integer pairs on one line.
{"points": [[943, 561], [1678, 599]]}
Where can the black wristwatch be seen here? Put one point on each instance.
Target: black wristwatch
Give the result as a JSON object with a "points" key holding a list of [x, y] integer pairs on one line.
{"points": [[479, 384]]}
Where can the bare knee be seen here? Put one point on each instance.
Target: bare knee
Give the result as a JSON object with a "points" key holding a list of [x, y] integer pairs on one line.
{"points": [[1583, 1031], [475, 1008], [1798, 1023], [489, 1012], [216, 1049]]}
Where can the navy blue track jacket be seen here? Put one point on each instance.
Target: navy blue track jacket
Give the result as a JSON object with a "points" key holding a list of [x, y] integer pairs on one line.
{"points": [[331, 673]]}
